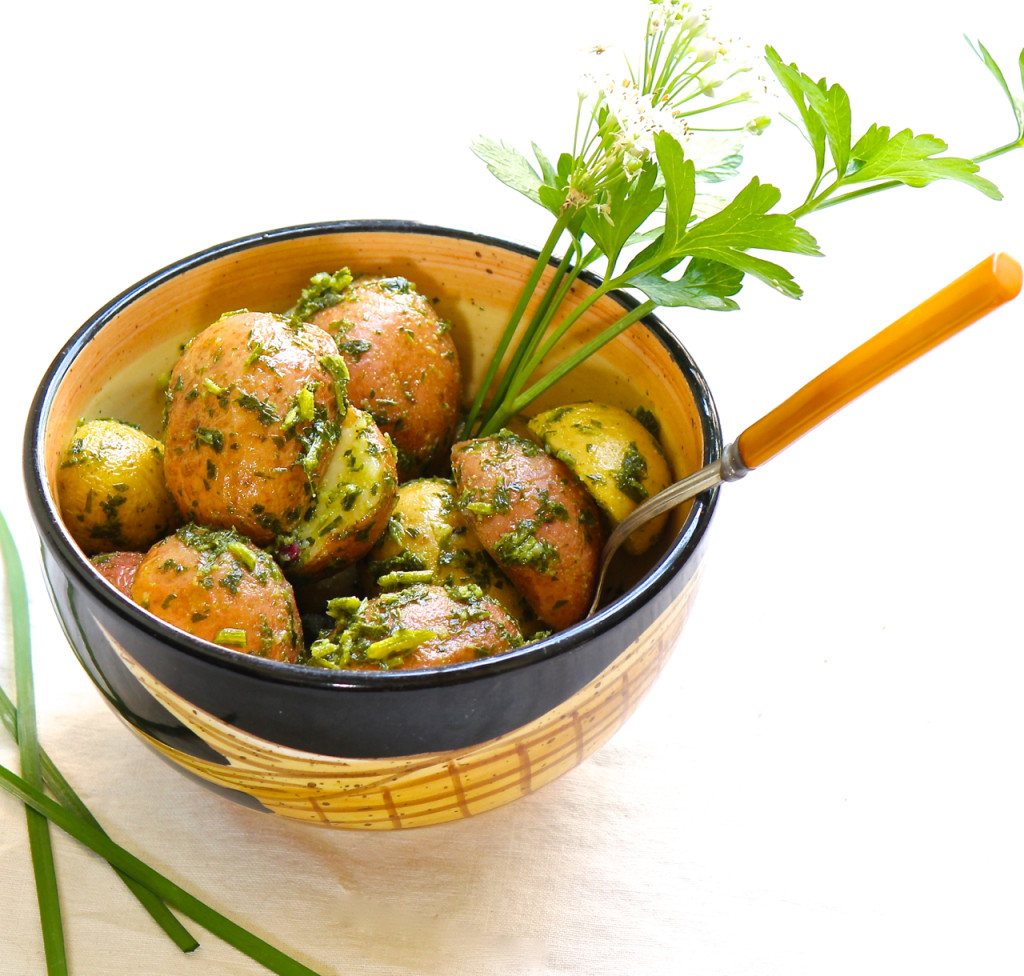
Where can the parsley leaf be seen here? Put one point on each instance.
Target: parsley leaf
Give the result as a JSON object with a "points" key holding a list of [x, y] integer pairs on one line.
{"points": [[704, 284], [744, 224], [1016, 104], [510, 166], [911, 160], [612, 226]]}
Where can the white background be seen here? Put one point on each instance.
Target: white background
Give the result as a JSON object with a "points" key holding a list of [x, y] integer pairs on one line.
{"points": [[827, 778]]}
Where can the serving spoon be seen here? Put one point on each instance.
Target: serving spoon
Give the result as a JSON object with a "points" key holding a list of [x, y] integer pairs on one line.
{"points": [[973, 295]]}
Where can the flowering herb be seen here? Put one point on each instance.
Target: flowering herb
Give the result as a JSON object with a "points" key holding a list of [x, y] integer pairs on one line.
{"points": [[626, 193]]}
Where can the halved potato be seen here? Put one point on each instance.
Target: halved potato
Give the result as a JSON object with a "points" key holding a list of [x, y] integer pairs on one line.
{"points": [[251, 421], [111, 488], [427, 534], [354, 499], [535, 519], [614, 455]]}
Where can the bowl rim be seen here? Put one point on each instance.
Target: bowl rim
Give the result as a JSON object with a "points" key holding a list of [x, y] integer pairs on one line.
{"points": [[45, 512]]}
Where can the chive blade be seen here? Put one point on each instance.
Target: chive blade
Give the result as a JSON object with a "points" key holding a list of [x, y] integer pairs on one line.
{"points": [[68, 798], [202, 914], [40, 846]]}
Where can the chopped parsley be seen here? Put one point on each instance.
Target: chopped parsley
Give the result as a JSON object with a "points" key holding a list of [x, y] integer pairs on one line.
{"points": [[630, 476]]}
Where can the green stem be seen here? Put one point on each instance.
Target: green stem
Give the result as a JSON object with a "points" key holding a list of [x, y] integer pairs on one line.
{"points": [[40, 846], [529, 288], [824, 200], [569, 364], [501, 414], [609, 284], [549, 304], [992, 153], [70, 800], [262, 952], [515, 399]]}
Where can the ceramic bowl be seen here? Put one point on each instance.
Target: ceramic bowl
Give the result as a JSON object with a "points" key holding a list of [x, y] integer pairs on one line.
{"points": [[367, 750]]}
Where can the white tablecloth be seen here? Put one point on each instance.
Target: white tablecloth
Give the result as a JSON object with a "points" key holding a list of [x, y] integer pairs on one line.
{"points": [[826, 779]]}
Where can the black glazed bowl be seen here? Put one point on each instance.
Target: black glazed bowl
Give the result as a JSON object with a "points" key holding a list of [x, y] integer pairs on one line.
{"points": [[366, 749]]}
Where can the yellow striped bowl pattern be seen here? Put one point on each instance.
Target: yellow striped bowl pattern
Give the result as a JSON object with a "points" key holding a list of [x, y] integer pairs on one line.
{"points": [[433, 788]]}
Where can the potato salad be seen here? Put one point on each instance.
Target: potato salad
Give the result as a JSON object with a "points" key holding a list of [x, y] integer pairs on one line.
{"points": [[311, 499]]}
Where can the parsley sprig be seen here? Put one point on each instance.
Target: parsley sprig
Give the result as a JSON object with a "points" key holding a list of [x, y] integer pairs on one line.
{"points": [[628, 194]]}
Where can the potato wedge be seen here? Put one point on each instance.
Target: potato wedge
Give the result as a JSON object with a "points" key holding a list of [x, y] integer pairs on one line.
{"points": [[535, 519], [252, 419], [354, 499], [403, 365], [417, 627], [614, 455], [216, 585], [111, 488]]}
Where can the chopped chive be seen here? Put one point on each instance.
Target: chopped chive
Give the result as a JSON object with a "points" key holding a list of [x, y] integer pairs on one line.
{"points": [[306, 404], [243, 554], [400, 642], [230, 637], [400, 578]]}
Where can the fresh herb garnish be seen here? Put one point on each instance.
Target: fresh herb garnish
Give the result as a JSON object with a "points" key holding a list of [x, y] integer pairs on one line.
{"points": [[627, 193]]}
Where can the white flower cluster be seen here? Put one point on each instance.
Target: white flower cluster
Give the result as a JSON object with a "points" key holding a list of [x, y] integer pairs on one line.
{"points": [[629, 114], [637, 120], [673, 13]]}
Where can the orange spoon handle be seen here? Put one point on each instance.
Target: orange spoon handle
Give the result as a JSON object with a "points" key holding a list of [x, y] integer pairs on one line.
{"points": [[985, 287]]}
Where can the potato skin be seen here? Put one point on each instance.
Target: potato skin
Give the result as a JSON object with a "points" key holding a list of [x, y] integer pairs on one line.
{"points": [[535, 519], [111, 488], [118, 569], [251, 419], [216, 585], [403, 365], [354, 500], [426, 626]]}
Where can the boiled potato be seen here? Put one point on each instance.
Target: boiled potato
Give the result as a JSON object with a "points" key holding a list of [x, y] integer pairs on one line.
{"points": [[427, 534], [420, 626], [252, 419], [614, 455], [118, 568], [354, 499], [111, 488], [535, 519], [403, 364], [216, 585]]}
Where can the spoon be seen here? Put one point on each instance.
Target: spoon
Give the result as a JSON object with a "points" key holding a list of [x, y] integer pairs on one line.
{"points": [[985, 287]]}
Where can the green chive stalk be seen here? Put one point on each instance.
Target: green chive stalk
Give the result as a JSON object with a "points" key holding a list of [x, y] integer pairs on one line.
{"points": [[40, 846], [202, 914], [68, 798]]}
